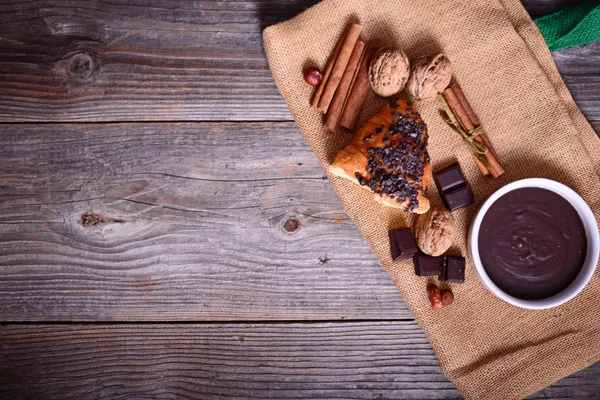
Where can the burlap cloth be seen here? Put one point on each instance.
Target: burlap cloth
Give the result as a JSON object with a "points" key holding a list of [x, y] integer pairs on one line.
{"points": [[488, 348]]}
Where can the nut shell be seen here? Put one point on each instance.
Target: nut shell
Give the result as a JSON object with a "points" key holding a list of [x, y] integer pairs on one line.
{"points": [[429, 77], [389, 71], [434, 231], [447, 297], [435, 296], [312, 76]]}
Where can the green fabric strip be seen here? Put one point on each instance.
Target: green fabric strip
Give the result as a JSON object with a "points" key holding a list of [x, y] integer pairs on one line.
{"points": [[572, 26]]}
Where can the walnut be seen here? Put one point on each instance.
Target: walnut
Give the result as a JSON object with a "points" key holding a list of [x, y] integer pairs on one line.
{"points": [[430, 76], [434, 231], [389, 71]]}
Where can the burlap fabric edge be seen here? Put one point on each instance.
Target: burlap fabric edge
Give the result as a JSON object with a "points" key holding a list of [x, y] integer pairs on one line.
{"points": [[531, 36]]}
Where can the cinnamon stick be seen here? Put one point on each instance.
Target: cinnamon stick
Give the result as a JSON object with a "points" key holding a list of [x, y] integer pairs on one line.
{"points": [[482, 168], [495, 167], [360, 89], [467, 124], [339, 67], [463, 118], [327, 74], [341, 94], [486, 141], [458, 110], [465, 104], [474, 120]]}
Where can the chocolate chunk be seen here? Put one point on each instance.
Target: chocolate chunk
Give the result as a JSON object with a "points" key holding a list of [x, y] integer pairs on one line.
{"points": [[402, 244], [453, 187], [449, 178], [453, 269], [426, 265], [458, 198]]}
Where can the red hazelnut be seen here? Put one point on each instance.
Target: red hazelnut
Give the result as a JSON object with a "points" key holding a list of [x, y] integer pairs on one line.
{"points": [[312, 76], [435, 296], [447, 297]]}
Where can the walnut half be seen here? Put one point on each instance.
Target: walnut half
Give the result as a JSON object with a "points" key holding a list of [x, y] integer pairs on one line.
{"points": [[434, 231]]}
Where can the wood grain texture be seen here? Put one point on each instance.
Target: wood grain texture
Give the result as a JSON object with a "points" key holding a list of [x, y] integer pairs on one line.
{"points": [[138, 60], [231, 220], [191, 224], [579, 67], [134, 60], [194, 221], [346, 360]]}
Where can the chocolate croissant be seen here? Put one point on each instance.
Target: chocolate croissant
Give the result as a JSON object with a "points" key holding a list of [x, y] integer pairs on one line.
{"points": [[388, 156]]}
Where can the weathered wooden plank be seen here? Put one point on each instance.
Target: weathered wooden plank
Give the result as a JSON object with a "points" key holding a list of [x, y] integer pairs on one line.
{"points": [[234, 221], [136, 60], [191, 224], [579, 69], [345, 360], [577, 65], [178, 60]]}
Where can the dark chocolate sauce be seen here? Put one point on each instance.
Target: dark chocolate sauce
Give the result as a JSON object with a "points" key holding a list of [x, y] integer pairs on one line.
{"points": [[532, 243]]}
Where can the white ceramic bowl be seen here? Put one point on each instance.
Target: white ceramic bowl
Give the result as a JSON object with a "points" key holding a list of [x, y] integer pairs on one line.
{"points": [[591, 230]]}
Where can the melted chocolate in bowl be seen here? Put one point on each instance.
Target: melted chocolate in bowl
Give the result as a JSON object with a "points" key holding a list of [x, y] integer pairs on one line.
{"points": [[532, 243]]}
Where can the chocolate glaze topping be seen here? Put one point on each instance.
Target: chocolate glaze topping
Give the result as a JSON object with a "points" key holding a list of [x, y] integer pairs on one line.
{"points": [[532, 243], [396, 164]]}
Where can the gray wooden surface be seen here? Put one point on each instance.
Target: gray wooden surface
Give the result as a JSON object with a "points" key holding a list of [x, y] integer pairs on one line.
{"points": [[333, 360], [134, 60], [197, 217], [208, 258]]}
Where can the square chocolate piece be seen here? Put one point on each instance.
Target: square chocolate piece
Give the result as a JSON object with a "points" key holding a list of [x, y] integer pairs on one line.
{"points": [[453, 187], [459, 197], [402, 244], [453, 269], [449, 178], [426, 265]]}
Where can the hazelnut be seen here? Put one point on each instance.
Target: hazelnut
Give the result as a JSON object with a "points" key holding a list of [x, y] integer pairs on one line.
{"points": [[447, 297], [389, 71], [312, 76], [430, 76], [435, 296], [434, 231]]}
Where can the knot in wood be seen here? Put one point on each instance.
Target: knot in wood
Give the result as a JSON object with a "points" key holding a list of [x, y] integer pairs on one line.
{"points": [[291, 225], [81, 66], [90, 218]]}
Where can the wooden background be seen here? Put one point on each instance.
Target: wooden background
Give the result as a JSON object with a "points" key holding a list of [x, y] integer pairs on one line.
{"points": [[166, 232]]}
